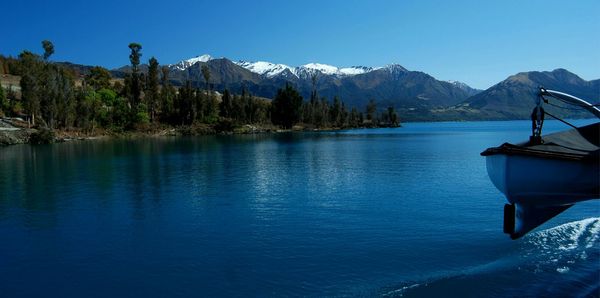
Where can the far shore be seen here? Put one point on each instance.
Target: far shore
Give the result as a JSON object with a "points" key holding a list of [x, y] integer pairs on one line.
{"points": [[20, 134]]}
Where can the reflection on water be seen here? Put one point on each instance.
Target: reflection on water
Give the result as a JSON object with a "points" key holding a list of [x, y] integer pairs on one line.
{"points": [[330, 213]]}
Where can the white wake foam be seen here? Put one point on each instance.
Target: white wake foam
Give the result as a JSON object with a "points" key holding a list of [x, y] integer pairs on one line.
{"points": [[563, 245]]}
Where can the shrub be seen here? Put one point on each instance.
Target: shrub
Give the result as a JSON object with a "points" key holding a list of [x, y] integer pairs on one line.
{"points": [[224, 125], [42, 136]]}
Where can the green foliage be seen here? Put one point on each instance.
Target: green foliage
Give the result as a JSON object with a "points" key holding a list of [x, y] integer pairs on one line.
{"points": [[135, 55], [107, 96], [48, 49], [206, 74], [47, 89], [50, 99], [141, 115], [119, 113], [184, 104], [16, 107], [211, 109], [134, 84], [3, 102], [371, 110], [57, 95], [98, 78], [391, 118], [226, 105], [286, 107], [30, 67], [167, 97], [42, 136], [224, 125], [336, 113], [88, 109], [152, 93]]}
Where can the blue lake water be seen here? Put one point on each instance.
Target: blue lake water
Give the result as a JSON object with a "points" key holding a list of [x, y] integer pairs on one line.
{"points": [[383, 212]]}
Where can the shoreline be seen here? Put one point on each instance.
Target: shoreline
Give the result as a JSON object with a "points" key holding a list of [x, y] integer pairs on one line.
{"points": [[21, 135]]}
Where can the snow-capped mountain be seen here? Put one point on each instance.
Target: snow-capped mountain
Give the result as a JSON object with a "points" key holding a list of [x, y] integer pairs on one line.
{"points": [[267, 69], [390, 85], [270, 70], [457, 83], [312, 68], [184, 64]]}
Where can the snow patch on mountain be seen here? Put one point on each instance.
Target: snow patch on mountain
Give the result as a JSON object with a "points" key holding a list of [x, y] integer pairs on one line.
{"points": [[265, 68], [459, 84], [184, 64], [323, 68], [270, 70], [470, 90], [355, 70]]}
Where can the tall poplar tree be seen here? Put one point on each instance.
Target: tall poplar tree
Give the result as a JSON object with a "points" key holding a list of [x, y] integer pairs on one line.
{"points": [[151, 95], [135, 86]]}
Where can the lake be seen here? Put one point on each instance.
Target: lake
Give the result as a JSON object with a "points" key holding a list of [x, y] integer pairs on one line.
{"points": [[377, 212]]}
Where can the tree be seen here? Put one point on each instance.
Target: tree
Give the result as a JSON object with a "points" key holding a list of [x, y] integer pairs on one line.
{"points": [[50, 92], [209, 107], [3, 103], [167, 96], [30, 85], [151, 95], [134, 58], [286, 107], [184, 103], [48, 49], [393, 117], [206, 75], [88, 107], [238, 109], [335, 112], [98, 78], [226, 104], [371, 110], [354, 120]]}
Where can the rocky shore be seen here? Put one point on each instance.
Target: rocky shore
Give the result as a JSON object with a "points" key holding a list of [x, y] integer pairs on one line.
{"points": [[14, 131]]}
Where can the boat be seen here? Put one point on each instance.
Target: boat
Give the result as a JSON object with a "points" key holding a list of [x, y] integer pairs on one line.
{"points": [[548, 174]]}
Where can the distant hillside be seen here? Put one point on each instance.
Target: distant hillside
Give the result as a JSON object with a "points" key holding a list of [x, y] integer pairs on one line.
{"points": [[514, 98]]}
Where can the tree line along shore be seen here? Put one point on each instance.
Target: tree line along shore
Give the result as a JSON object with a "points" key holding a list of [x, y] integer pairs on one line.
{"points": [[53, 102]]}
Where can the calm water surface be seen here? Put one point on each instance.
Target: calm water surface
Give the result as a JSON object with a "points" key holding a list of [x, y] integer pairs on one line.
{"points": [[385, 212]]}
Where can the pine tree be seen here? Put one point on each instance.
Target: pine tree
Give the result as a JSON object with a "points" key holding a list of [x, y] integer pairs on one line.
{"points": [[167, 96], [393, 116], [151, 95], [226, 104], [336, 112], [185, 104], [371, 110], [285, 109]]}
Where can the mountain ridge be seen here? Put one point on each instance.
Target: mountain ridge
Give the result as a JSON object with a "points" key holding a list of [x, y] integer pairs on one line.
{"points": [[416, 95]]}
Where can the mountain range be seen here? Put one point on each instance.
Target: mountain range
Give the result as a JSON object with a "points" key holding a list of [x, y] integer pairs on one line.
{"points": [[416, 95]]}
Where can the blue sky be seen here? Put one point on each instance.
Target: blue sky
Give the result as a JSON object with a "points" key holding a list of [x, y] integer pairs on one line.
{"points": [[477, 42]]}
